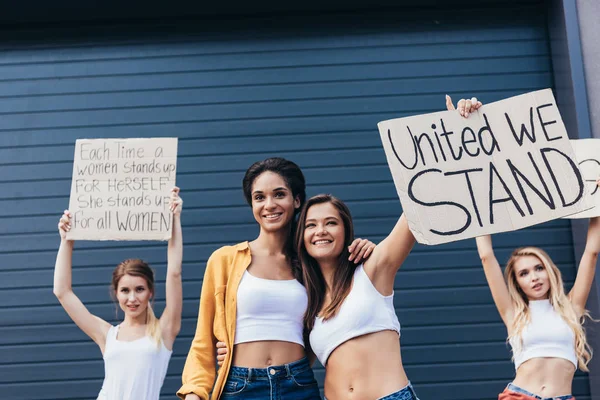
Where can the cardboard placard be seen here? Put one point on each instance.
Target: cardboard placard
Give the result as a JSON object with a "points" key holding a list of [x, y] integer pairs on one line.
{"points": [[587, 153], [508, 166], [120, 189]]}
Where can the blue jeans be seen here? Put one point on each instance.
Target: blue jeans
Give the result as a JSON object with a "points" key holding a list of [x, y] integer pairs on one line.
{"points": [[516, 389], [294, 381], [406, 393]]}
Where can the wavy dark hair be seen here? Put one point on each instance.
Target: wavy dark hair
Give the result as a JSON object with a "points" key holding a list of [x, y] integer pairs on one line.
{"points": [[313, 277], [294, 179]]}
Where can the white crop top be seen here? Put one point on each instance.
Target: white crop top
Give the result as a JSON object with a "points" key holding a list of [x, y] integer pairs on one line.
{"points": [[133, 370], [364, 311], [270, 310], [546, 335]]}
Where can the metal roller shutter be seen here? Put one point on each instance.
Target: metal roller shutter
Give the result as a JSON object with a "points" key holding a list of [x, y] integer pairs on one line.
{"points": [[310, 88]]}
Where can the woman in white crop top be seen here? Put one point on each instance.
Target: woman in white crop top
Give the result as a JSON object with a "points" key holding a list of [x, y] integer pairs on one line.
{"points": [[351, 318], [137, 351], [544, 324]]}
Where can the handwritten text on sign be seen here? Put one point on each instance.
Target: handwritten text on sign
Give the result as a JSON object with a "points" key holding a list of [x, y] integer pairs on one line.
{"points": [[587, 152], [121, 187], [508, 166]]}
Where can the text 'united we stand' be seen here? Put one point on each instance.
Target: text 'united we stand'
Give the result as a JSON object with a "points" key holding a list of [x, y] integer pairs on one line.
{"points": [[508, 166]]}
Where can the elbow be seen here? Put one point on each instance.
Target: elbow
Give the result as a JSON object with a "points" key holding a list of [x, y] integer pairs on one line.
{"points": [[174, 274], [486, 258], [59, 293], [592, 253]]}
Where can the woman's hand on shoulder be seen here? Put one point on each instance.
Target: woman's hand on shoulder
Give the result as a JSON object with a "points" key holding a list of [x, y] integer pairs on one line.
{"points": [[465, 106], [222, 353], [360, 250]]}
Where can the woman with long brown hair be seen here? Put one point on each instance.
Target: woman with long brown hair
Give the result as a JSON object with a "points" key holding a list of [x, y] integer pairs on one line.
{"points": [[137, 351], [544, 323], [350, 319]]}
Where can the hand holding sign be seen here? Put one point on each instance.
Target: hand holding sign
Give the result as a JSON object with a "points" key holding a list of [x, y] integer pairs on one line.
{"points": [[64, 224], [508, 166], [176, 203], [465, 107]]}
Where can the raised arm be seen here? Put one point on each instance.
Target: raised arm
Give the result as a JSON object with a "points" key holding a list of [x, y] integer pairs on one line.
{"points": [[389, 255], [93, 326], [170, 321], [495, 279], [587, 266]]}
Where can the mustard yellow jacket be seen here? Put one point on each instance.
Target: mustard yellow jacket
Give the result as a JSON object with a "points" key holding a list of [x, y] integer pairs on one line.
{"points": [[216, 322]]}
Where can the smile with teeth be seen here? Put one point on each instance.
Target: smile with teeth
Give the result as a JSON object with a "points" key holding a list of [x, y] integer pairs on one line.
{"points": [[272, 216], [323, 241]]}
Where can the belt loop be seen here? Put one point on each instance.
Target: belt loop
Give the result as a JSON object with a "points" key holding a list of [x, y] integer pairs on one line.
{"points": [[287, 369], [249, 374], [411, 390]]}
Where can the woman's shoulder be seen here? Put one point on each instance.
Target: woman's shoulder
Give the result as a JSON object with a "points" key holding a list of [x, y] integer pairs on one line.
{"points": [[229, 250], [229, 258]]}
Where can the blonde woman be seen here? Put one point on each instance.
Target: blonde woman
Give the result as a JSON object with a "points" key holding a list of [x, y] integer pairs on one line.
{"points": [[137, 351], [544, 323]]}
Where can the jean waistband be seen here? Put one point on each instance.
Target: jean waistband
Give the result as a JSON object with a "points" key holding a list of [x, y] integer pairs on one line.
{"points": [[408, 388], [518, 389], [274, 371]]}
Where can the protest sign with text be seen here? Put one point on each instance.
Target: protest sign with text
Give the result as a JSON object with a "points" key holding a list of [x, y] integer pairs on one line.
{"points": [[120, 189], [508, 166], [587, 153]]}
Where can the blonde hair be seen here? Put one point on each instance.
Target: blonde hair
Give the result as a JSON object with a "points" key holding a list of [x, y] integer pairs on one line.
{"points": [[557, 297], [137, 267]]}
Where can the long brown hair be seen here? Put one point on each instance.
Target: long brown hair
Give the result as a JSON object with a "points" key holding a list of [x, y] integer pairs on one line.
{"points": [[139, 268], [311, 272], [558, 299]]}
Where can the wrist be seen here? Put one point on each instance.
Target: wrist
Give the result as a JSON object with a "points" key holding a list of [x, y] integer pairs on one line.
{"points": [[66, 242]]}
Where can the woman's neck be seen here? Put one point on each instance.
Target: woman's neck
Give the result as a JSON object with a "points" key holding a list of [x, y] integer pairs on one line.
{"points": [[271, 243], [328, 270], [134, 322]]}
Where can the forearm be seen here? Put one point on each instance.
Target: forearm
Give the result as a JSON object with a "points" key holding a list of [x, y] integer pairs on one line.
{"points": [[485, 248], [62, 268], [175, 248]]}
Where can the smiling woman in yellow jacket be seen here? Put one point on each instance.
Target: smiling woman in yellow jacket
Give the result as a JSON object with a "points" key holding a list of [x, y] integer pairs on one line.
{"points": [[216, 320], [253, 300]]}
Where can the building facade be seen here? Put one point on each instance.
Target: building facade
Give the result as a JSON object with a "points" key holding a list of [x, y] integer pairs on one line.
{"points": [[239, 83]]}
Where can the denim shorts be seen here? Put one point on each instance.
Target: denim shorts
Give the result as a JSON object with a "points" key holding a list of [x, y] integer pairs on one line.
{"points": [[517, 393], [294, 381], [406, 393]]}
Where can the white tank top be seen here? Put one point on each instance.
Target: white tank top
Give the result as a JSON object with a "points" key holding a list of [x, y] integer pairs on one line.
{"points": [[270, 310], [546, 335], [133, 370], [364, 311]]}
